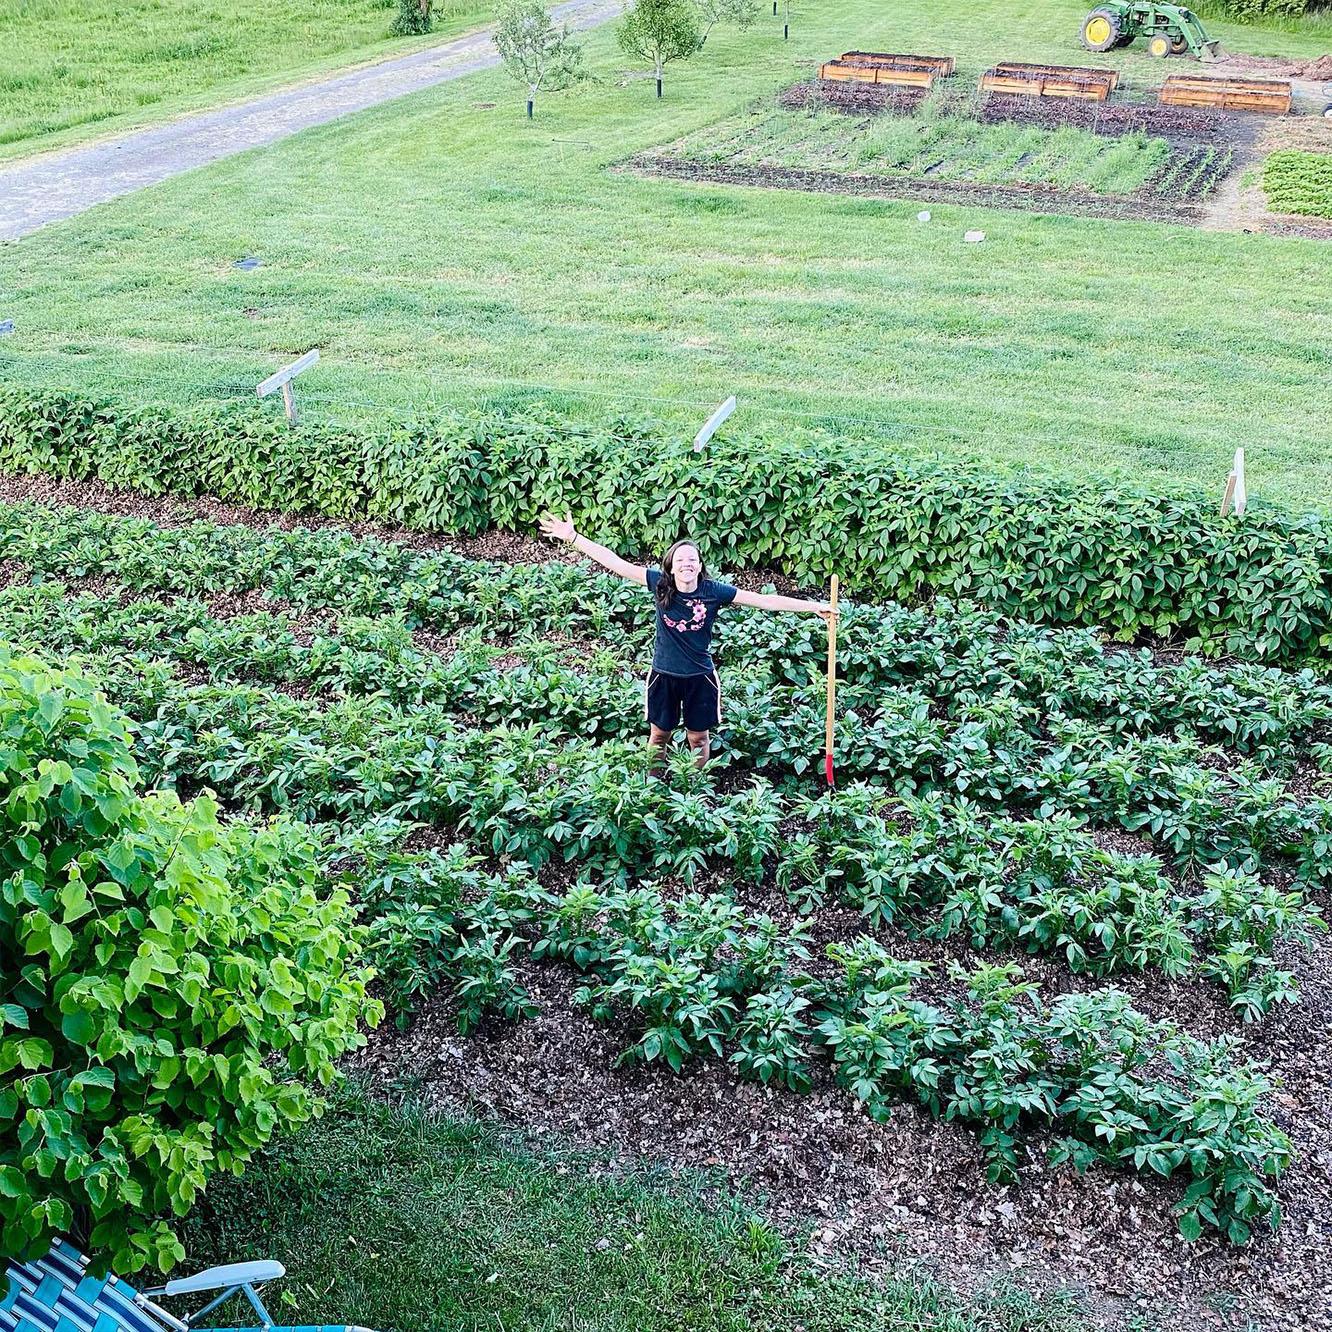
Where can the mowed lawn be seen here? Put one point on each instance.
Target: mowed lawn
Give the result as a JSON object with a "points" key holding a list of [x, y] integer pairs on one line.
{"points": [[81, 65], [411, 1223], [441, 251]]}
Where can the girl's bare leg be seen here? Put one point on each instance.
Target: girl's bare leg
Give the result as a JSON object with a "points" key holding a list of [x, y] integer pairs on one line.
{"points": [[701, 743], [657, 742]]}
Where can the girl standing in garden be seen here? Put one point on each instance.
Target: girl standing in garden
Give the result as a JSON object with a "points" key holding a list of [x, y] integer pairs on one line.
{"points": [[683, 682]]}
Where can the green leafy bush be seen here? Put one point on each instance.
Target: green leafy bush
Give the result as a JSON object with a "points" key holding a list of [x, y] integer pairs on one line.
{"points": [[1258, 11], [1052, 551], [172, 986], [1299, 182], [412, 19]]}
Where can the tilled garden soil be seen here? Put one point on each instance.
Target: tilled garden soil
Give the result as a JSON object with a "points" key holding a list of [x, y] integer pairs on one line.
{"points": [[1028, 198], [913, 1190], [1113, 119]]}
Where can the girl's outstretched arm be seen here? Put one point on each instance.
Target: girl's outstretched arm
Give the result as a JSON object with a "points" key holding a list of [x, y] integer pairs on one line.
{"points": [[562, 529], [764, 601]]}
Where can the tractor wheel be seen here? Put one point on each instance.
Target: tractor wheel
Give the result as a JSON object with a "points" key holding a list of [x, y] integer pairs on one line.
{"points": [[1179, 45], [1101, 30], [1159, 46]]}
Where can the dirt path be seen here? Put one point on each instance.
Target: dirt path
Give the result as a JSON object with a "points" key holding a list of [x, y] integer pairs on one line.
{"points": [[1239, 203], [37, 191], [1236, 205]]}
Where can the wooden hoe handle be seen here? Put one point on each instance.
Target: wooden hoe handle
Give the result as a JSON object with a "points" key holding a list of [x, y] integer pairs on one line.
{"points": [[832, 685]]}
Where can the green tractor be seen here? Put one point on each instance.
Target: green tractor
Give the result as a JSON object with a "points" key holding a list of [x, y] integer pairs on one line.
{"points": [[1169, 29]]}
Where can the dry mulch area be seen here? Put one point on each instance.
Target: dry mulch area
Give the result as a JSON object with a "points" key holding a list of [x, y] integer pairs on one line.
{"points": [[913, 1190], [856, 98], [175, 511], [1274, 67]]}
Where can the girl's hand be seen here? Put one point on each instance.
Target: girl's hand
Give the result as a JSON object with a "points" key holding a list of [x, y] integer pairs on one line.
{"points": [[562, 529], [825, 612]]}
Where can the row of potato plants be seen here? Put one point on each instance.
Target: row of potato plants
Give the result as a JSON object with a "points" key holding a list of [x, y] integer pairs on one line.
{"points": [[997, 754], [638, 952], [1041, 885], [1047, 548], [952, 652], [698, 977]]}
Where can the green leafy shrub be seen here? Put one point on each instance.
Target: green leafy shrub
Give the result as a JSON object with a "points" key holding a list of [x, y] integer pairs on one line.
{"points": [[1051, 550], [172, 986], [1299, 182], [1258, 11], [413, 18]]}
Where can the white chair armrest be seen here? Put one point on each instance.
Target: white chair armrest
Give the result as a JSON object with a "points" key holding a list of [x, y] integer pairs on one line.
{"points": [[218, 1278]]}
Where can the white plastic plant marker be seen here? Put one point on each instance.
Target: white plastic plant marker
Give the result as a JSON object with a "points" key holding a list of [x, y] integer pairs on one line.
{"points": [[712, 423], [974, 237], [1236, 494]]}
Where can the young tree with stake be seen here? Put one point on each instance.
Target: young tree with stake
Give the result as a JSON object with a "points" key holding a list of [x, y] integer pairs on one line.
{"points": [[537, 53], [743, 13], [659, 31]]}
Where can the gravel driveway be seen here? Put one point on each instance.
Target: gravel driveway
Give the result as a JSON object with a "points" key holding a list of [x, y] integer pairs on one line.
{"points": [[56, 185]]}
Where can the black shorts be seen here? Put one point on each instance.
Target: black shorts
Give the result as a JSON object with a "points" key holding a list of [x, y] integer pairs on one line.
{"points": [[698, 697]]}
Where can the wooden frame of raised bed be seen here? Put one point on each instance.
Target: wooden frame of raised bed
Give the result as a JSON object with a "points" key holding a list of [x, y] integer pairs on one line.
{"points": [[1022, 67], [1012, 78], [941, 66], [1268, 96], [886, 67]]}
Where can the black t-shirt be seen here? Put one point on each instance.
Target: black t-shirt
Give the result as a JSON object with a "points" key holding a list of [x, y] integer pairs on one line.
{"points": [[684, 628]]}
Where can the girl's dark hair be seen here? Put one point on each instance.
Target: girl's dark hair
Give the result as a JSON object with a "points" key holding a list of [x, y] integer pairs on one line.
{"points": [[666, 583]]}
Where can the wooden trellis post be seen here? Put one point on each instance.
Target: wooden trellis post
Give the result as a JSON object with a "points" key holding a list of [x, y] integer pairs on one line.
{"points": [[282, 380]]}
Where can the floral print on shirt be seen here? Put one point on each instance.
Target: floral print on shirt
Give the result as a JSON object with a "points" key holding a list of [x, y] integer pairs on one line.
{"points": [[698, 613]]}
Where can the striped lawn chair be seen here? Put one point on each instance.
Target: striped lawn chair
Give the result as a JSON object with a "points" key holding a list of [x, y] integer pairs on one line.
{"points": [[57, 1294]]}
